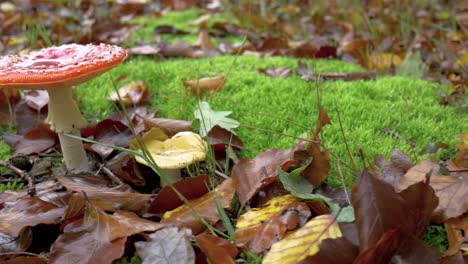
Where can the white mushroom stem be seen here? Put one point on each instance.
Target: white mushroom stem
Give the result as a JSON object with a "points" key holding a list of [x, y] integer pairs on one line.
{"points": [[173, 175], [65, 117]]}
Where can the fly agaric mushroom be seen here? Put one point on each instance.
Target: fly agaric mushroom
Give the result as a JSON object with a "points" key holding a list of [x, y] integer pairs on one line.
{"points": [[57, 70], [172, 154]]}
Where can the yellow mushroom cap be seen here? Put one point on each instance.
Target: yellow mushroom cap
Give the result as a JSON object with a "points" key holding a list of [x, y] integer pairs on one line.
{"points": [[183, 149]]}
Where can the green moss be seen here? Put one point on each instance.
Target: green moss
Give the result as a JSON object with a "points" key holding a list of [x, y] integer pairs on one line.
{"points": [[407, 106], [12, 186], [436, 237], [180, 20]]}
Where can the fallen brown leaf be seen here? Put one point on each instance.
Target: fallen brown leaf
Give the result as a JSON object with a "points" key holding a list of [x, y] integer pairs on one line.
{"points": [[218, 250], [253, 175], [204, 208], [107, 199], [452, 190], [98, 237], [26, 212]]}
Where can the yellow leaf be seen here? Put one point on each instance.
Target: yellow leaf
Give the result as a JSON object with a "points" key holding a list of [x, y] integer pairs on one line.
{"points": [[304, 242], [384, 60], [256, 216]]}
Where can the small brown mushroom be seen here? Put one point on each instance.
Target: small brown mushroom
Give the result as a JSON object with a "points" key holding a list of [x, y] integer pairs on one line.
{"points": [[57, 70]]}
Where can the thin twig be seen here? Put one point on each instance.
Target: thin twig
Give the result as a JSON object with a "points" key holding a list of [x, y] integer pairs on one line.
{"points": [[23, 174], [343, 181], [220, 174], [109, 173]]}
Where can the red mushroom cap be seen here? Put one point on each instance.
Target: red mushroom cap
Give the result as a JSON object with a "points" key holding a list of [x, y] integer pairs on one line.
{"points": [[61, 66]]}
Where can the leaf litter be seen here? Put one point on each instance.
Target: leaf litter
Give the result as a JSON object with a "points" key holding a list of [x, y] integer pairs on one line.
{"points": [[392, 204]]}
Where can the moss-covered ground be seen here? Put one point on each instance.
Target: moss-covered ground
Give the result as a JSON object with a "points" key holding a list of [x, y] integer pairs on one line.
{"points": [[288, 107], [274, 111]]}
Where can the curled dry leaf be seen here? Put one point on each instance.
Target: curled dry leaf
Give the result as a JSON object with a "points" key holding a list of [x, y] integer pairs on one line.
{"points": [[208, 84], [303, 242], [26, 212], [221, 139], [203, 41], [317, 171], [252, 175], [97, 237], [218, 250], [105, 198], [131, 94], [452, 190], [167, 246], [204, 207]]}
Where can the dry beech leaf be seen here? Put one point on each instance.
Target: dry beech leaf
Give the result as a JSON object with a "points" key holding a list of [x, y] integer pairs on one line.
{"points": [[252, 175], [113, 133], [457, 235], [167, 245], [25, 118], [204, 207], [35, 141], [218, 250], [260, 228], [281, 72], [190, 188], [452, 190], [29, 211], [105, 198], [203, 41], [334, 251], [98, 237], [36, 99], [131, 94], [208, 84], [304, 242], [385, 219]]}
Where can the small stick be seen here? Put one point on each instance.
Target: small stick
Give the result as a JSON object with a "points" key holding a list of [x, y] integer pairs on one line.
{"points": [[109, 173], [23, 174]]}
